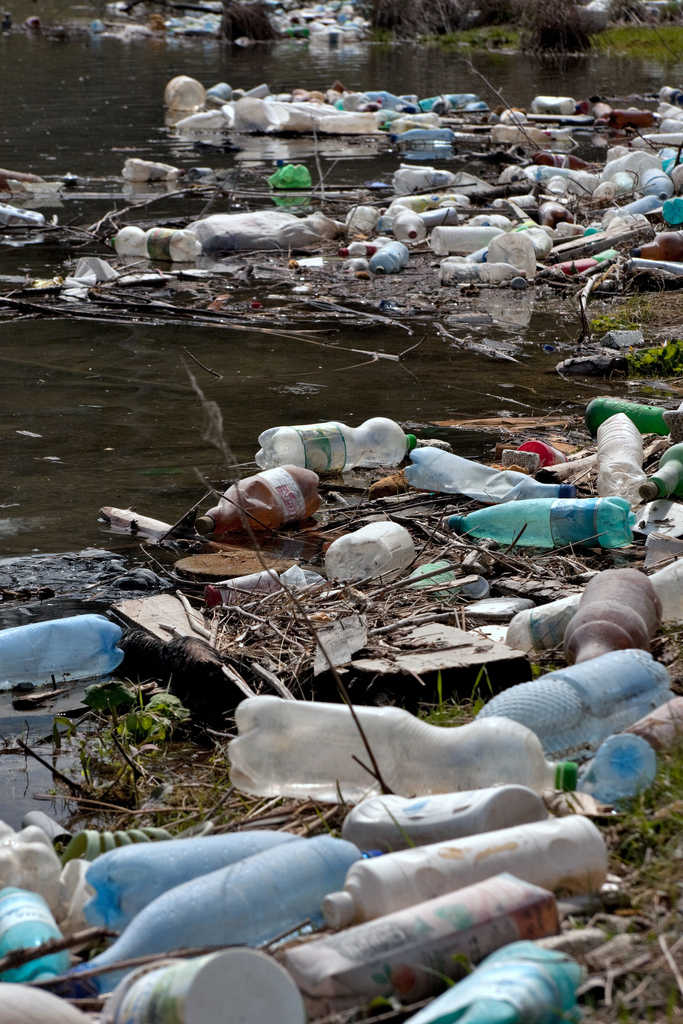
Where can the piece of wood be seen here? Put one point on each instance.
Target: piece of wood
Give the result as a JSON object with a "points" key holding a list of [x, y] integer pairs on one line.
{"points": [[229, 561], [587, 245], [514, 424], [125, 520], [163, 615], [539, 590], [341, 640]]}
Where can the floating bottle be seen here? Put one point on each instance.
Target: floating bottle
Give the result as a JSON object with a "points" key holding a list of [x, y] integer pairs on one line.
{"points": [[623, 766], [567, 853], [333, 447], [574, 709], [620, 458], [552, 523], [668, 480], [648, 418], [267, 500], [375, 550], [26, 922], [168, 245], [619, 609], [307, 748], [435, 470], [457, 270], [620, 119], [77, 647]]}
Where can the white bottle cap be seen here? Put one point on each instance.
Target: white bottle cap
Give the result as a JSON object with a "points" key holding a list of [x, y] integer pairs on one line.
{"points": [[339, 909]]}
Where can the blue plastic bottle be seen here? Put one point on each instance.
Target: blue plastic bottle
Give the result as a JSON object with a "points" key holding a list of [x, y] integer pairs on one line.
{"points": [[645, 205], [574, 709], [518, 984], [126, 879], [78, 647], [623, 766], [436, 470], [390, 259], [26, 922], [245, 904], [552, 523], [418, 136]]}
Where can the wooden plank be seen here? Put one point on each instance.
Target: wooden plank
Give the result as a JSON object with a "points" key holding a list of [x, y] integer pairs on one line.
{"points": [[587, 245], [158, 611]]}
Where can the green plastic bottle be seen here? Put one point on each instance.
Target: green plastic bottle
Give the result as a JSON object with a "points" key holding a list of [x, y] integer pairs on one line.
{"points": [[668, 480], [291, 176], [648, 418]]}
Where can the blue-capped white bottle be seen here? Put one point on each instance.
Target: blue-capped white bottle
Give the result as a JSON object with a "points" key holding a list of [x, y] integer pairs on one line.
{"points": [[623, 766], [432, 469]]}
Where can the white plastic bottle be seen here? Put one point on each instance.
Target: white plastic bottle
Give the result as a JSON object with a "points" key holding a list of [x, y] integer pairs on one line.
{"points": [[567, 854], [409, 179], [390, 258], [14, 216], [307, 748], [130, 241], [28, 861], [542, 628], [462, 239], [668, 584], [333, 447], [620, 459], [377, 549], [392, 823], [135, 169], [432, 469], [169, 245], [407, 226], [553, 105]]}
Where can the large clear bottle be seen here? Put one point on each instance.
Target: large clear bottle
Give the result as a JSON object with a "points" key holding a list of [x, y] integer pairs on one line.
{"points": [[267, 500], [308, 749], [333, 447], [620, 459], [434, 470]]}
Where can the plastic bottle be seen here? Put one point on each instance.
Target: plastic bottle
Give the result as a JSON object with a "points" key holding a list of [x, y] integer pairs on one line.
{"points": [[418, 137], [247, 903], [668, 583], [130, 241], [552, 523], [449, 101], [619, 609], [135, 169], [667, 245], [126, 879], [24, 1004], [648, 418], [560, 853], [623, 766], [668, 480], [655, 182], [442, 216], [278, 752], [285, 494], [184, 93], [663, 727], [672, 212], [291, 176], [456, 270], [619, 119], [410, 952], [14, 216], [409, 179], [361, 220], [375, 550], [560, 160], [333, 447], [517, 984], [26, 922], [391, 259], [77, 647], [358, 249], [669, 95], [620, 458], [542, 628], [463, 239], [435, 470], [552, 214], [28, 861], [392, 823], [548, 455], [553, 105], [407, 226], [170, 246], [244, 588], [574, 709], [516, 248]]}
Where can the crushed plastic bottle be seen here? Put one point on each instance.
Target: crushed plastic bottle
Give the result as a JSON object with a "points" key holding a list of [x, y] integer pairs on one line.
{"points": [[377, 549], [620, 458], [434, 470]]}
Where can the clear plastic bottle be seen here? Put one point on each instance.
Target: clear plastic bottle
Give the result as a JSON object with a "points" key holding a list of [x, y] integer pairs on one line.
{"points": [[552, 523], [407, 226], [663, 727], [517, 984], [361, 220], [656, 182], [668, 583], [567, 853], [516, 248], [435, 470], [285, 494], [463, 239], [279, 751], [135, 169], [390, 259], [542, 628], [392, 823], [648, 418], [356, 265], [117, 877], [553, 105], [668, 480], [410, 952], [14, 216], [377, 549], [247, 903], [457, 270], [442, 216], [130, 241], [26, 922], [409, 179], [574, 709], [620, 459], [184, 93], [619, 609], [244, 588], [77, 647], [170, 246], [623, 766], [333, 447]]}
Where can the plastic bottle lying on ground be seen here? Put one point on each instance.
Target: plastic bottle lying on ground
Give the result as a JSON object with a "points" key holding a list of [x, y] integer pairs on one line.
{"points": [[392, 823], [462, 240], [390, 259], [240, 589], [620, 458], [567, 853], [619, 609], [267, 500], [373, 550], [77, 647], [663, 727], [436, 470], [623, 766], [668, 480], [574, 709], [456, 270], [517, 984], [26, 922], [278, 752], [25, 1004], [648, 418], [410, 952], [333, 447]]}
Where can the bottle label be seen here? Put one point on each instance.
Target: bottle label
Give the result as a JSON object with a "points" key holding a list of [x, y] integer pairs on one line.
{"points": [[289, 493], [575, 523], [324, 446], [159, 243], [24, 908]]}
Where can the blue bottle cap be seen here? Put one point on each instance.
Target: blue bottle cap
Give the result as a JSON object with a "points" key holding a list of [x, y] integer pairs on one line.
{"points": [[567, 491]]}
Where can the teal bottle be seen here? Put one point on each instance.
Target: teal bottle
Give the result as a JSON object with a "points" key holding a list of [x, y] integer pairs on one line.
{"points": [[668, 480], [648, 418], [552, 522], [26, 922]]}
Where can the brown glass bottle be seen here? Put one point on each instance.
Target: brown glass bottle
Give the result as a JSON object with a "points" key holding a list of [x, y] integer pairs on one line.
{"points": [[631, 119], [268, 500], [550, 214], [619, 609], [667, 245], [559, 160]]}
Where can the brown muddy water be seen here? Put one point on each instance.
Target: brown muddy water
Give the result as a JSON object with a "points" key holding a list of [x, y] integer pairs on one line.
{"points": [[96, 415]]}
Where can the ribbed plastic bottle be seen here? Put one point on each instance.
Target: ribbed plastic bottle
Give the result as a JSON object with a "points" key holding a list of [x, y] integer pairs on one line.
{"points": [[170, 246], [619, 609], [648, 418], [126, 879], [663, 727], [333, 447], [374, 550], [247, 903], [620, 459], [552, 523], [268, 500], [517, 984], [574, 709], [390, 259], [77, 647], [26, 922], [668, 480], [560, 853], [391, 823], [432, 469], [624, 765], [307, 748], [409, 953], [130, 241]]}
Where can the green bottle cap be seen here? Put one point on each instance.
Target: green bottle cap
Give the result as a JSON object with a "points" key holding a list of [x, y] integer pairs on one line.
{"points": [[566, 775], [411, 441]]}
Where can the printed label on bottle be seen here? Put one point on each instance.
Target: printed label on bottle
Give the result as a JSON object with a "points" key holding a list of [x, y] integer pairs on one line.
{"points": [[159, 243], [24, 908], [324, 446], [288, 491], [576, 523], [161, 994]]}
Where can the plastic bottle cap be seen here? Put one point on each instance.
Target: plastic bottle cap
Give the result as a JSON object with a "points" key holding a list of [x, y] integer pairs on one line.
{"points": [[411, 442], [204, 524], [339, 909], [567, 491], [456, 524], [649, 491], [566, 775]]}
